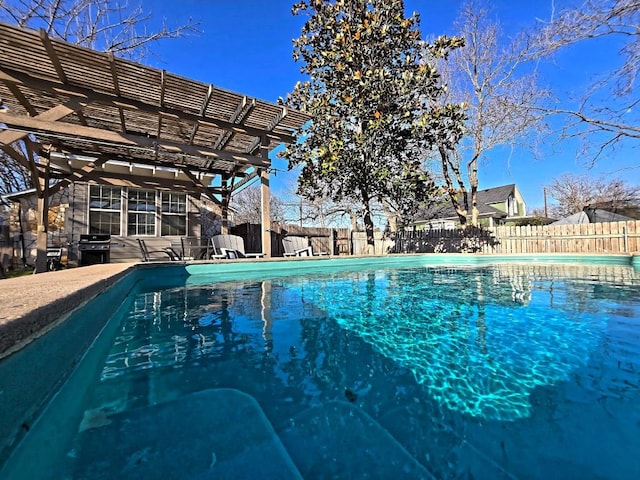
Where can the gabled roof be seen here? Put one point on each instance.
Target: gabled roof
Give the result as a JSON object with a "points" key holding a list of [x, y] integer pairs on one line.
{"points": [[486, 198], [496, 194], [597, 216]]}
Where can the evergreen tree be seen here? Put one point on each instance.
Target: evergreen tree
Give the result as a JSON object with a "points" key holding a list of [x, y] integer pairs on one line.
{"points": [[373, 93]]}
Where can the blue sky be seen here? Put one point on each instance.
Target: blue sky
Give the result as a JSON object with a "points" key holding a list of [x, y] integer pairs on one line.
{"points": [[246, 46]]}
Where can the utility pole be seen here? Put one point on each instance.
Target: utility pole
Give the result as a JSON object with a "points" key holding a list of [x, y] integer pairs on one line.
{"points": [[544, 194]]}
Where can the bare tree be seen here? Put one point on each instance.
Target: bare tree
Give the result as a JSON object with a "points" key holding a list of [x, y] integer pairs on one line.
{"points": [[498, 89], [607, 113], [14, 177], [104, 25], [247, 206], [323, 211], [573, 192]]}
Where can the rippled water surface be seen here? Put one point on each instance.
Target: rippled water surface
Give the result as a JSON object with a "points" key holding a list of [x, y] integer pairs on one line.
{"points": [[509, 371]]}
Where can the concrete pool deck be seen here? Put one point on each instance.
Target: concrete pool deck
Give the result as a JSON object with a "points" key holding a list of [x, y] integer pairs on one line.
{"points": [[32, 304]]}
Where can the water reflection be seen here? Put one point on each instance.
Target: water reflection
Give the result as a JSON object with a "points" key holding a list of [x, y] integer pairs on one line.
{"points": [[480, 340]]}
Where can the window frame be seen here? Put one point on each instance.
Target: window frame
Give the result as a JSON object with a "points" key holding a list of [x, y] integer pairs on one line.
{"points": [[182, 200], [143, 228], [101, 210]]}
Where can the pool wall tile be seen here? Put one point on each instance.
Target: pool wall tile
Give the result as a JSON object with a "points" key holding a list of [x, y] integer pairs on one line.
{"points": [[30, 376]]}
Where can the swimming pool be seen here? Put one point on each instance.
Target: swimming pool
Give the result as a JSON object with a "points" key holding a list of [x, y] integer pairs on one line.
{"points": [[402, 370]]}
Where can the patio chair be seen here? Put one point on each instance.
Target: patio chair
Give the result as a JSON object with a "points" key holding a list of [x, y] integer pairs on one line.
{"points": [[231, 246], [194, 249], [295, 246], [167, 253]]}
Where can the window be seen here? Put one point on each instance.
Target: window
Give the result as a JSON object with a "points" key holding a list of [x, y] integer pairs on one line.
{"points": [[141, 216], [174, 213], [104, 209], [512, 207], [139, 209]]}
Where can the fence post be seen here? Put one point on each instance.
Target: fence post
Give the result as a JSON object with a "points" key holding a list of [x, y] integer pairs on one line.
{"points": [[626, 239]]}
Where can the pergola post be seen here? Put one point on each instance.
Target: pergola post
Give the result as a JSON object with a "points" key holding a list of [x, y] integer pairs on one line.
{"points": [[42, 219], [226, 197], [265, 200]]}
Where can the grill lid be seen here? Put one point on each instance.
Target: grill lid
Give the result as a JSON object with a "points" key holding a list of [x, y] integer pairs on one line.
{"points": [[95, 238]]}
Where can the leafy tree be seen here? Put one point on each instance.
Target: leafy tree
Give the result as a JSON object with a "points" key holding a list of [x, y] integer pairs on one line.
{"points": [[372, 94], [573, 192]]}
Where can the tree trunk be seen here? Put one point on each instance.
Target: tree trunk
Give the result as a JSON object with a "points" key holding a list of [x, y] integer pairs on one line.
{"points": [[472, 170], [367, 219], [368, 225], [451, 189], [392, 218]]}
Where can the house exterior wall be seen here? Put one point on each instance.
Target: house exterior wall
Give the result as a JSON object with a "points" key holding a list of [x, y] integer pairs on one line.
{"points": [[500, 206], [522, 206], [69, 219]]}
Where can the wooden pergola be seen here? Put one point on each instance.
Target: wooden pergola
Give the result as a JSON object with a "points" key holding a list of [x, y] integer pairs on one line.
{"points": [[73, 114]]}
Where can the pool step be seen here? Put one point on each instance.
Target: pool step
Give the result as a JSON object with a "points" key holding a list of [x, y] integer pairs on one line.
{"points": [[446, 453], [339, 441], [220, 433]]}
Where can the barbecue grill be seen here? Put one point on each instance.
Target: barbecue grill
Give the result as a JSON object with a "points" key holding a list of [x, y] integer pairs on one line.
{"points": [[94, 248]]}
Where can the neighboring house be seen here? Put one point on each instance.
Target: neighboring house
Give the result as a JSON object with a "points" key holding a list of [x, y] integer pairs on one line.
{"points": [[496, 206], [591, 214], [629, 209], [123, 212]]}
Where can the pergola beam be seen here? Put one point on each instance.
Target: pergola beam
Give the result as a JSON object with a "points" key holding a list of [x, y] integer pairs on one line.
{"points": [[78, 175], [203, 109], [91, 96], [116, 88], [44, 127], [16, 92], [7, 137], [53, 56]]}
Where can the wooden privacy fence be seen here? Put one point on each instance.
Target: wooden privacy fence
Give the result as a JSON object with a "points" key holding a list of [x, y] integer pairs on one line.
{"points": [[608, 237], [611, 237], [335, 241]]}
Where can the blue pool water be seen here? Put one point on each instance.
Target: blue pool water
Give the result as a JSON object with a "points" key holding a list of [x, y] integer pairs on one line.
{"points": [[504, 371]]}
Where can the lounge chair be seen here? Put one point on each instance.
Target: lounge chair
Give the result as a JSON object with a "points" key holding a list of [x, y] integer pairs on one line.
{"points": [[166, 253], [193, 249], [231, 246], [299, 247]]}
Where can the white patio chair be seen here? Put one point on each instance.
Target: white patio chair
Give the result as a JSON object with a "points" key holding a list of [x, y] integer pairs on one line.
{"points": [[231, 246], [295, 246]]}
